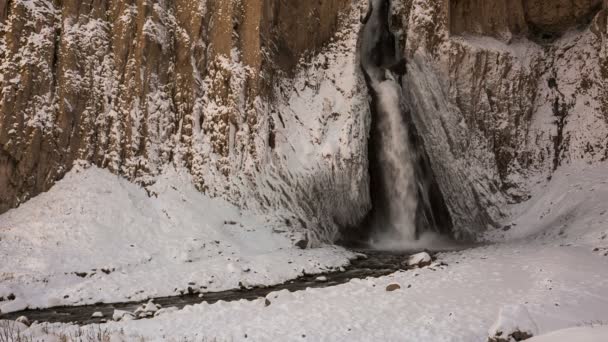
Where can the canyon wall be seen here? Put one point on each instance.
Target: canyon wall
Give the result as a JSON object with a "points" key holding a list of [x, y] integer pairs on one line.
{"points": [[264, 102], [503, 93], [135, 85]]}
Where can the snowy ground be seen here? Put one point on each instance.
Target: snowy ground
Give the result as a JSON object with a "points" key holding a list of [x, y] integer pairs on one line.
{"points": [[552, 264], [95, 237]]}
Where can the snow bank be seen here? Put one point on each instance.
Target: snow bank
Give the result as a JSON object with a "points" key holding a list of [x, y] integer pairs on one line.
{"points": [[571, 208], [583, 334], [560, 280], [562, 286], [96, 237]]}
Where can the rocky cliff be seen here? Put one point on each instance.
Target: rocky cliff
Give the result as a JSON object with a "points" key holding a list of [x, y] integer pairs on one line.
{"points": [[503, 93], [263, 100], [136, 85]]}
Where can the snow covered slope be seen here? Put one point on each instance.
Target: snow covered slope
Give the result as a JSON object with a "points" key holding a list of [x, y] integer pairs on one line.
{"points": [[96, 237], [555, 270]]}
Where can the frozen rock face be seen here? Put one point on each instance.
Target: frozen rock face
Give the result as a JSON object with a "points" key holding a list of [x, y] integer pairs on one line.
{"points": [[503, 93], [134, 86]]}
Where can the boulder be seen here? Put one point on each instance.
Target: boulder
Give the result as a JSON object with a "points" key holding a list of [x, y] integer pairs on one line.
{"points": [[97, 314], [23, 320], [121, 315], [420, 260], [393, 287]]}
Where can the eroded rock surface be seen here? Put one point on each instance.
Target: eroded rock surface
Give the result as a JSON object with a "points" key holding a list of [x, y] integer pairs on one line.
{"points": [[134, 86], [503, 93]]}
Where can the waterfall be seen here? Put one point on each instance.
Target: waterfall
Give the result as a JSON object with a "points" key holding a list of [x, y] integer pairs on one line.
{"points": [[395, 156], [393, 149]]}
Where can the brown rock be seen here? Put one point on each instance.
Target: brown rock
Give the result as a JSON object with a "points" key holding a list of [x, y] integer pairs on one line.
{"points": [[121, 84], [393, 287]]}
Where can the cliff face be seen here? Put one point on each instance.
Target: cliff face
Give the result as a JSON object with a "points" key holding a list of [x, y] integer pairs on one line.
{"points": [[503, 93], [135, 85]]}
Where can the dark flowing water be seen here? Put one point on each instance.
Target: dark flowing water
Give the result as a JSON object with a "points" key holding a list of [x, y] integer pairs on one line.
{"points": [[376, 264]]}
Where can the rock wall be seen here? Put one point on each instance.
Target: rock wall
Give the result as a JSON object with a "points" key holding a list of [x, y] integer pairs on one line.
{"points": [[135, 85], [501, 100], [263, 100]]}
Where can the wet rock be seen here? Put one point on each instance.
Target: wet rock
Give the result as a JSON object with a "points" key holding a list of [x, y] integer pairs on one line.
{"points": [[107, 270], [393, 287], [420, 260]]}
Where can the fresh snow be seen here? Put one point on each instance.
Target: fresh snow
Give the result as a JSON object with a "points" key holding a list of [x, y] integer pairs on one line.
{"points": [[95, 237], [582, 334], [558, 280]]}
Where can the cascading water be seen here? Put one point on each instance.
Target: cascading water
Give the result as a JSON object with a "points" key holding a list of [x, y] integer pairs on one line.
{"points": [[405, 197], [395, 157]]}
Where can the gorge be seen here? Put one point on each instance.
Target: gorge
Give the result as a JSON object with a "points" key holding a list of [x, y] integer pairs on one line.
{"points": [[162, 148]]}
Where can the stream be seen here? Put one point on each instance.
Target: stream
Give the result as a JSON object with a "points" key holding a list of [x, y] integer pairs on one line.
{"points": [[372, 263]]}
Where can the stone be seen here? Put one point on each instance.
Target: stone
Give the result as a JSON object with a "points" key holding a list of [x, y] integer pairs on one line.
{"points": [[23, 320], [121, 315], [97, 314], [420, 260], [393, 287]]}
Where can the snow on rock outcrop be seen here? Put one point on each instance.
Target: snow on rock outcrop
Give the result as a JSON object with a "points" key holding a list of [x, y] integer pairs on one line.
{"points": [[501, 104], [318, 174], [121, 315]]}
